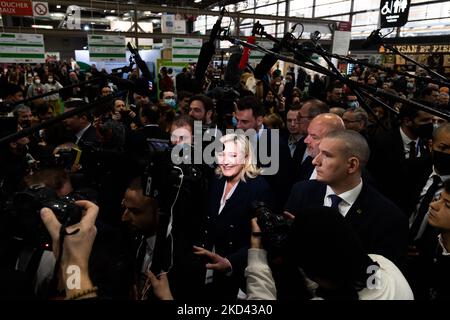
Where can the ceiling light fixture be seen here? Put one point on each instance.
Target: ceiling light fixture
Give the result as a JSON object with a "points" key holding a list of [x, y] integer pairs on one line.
{"points": [[41, 26]]}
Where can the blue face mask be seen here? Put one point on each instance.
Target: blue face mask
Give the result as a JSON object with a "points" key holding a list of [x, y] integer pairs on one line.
{"points": [[353, 104], [234, 122], [171, 103], [410, 85]]}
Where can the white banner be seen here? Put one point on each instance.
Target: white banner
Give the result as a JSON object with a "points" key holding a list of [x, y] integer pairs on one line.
{"points": [[186, 50], [107, 48], [22, 48]]}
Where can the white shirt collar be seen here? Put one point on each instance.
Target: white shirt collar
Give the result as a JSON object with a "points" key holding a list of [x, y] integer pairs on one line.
{"points": [[406, 140], [81, 132], [261, 130], [348, 198]]}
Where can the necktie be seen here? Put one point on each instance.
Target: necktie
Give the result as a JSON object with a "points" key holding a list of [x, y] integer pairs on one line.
{"points": [[412, 150], [423, 207], [335, 200]]}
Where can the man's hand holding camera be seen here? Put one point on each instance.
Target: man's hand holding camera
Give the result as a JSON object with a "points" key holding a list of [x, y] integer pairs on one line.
{"points": [[77, 244]]}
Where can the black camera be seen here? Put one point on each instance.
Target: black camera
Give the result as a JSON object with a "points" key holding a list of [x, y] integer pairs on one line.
{"points": [[274, 227], [27, 205]]}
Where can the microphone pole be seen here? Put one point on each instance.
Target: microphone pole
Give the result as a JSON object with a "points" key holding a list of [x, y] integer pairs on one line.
{"points": [[378, 39], [28, 131], [388, 70], [322, 70], [49, 93], [207, 52], [323, 54]]}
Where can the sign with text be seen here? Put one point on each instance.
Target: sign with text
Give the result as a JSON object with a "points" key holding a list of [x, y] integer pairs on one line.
{"points": [[186, 49], [394, 13], [16, 8], [107, 48], [22, 48], [24, 8], [341, 38], [420, 48]]}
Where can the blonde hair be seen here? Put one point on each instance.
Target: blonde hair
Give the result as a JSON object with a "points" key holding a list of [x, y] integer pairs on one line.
{"points": [[249, 170]]}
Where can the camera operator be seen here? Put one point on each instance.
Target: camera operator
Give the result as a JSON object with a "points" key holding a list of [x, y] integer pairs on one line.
{"points": [[334, 266], [76, 249], [28, 248]]}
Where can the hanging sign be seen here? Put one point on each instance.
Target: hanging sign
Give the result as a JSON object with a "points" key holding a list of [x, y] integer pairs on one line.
{"points": [[394, 13]]}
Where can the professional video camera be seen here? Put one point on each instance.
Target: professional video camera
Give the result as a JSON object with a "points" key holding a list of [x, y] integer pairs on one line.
{"points": [[26, 206], [168, 167], [274, 227]]}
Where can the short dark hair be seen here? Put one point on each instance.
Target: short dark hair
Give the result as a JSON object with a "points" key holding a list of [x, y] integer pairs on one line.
{"points": [[251, 102], [317, 107], [354, 144], [334, 85], [183, 94], [183, 120], [150, 112], [208, 103], [54, 178], [407, 111], [76, 103], [12, 89]]}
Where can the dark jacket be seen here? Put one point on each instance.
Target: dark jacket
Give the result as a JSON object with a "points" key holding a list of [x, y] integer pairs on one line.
{"points": [[229, 232], [380, 225], [399, 179]]}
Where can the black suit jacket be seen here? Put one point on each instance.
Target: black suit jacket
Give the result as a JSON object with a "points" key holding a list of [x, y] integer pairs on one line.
{"points": [[229, 232], [380, 225], [282, 181], [89, 136], [399, 179]]}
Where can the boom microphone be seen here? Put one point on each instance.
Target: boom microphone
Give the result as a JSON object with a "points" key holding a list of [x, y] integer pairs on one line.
{"points": [[266, 63], [140, 63], [373, 39], [208, 49]]}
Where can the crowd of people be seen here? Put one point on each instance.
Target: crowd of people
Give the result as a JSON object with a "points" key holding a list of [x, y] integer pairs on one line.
{"points": [[356, 196]]}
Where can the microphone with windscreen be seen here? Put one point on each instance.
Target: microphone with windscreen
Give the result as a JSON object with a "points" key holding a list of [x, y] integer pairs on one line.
{"points": [[233, 73], [208, 50], [373, 40], [266, 64], [141, 85], [139, 62]]}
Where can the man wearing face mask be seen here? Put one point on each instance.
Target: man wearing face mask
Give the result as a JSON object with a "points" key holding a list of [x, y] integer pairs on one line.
{"points": [[169, 99], [424, 237], [400, 160]]}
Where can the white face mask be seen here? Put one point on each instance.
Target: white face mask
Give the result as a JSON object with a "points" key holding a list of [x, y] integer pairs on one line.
{"points": [[37, 81], [50, 79]]}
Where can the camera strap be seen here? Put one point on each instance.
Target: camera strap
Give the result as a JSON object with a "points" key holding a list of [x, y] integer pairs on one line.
{"points": [[62, 234]]}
